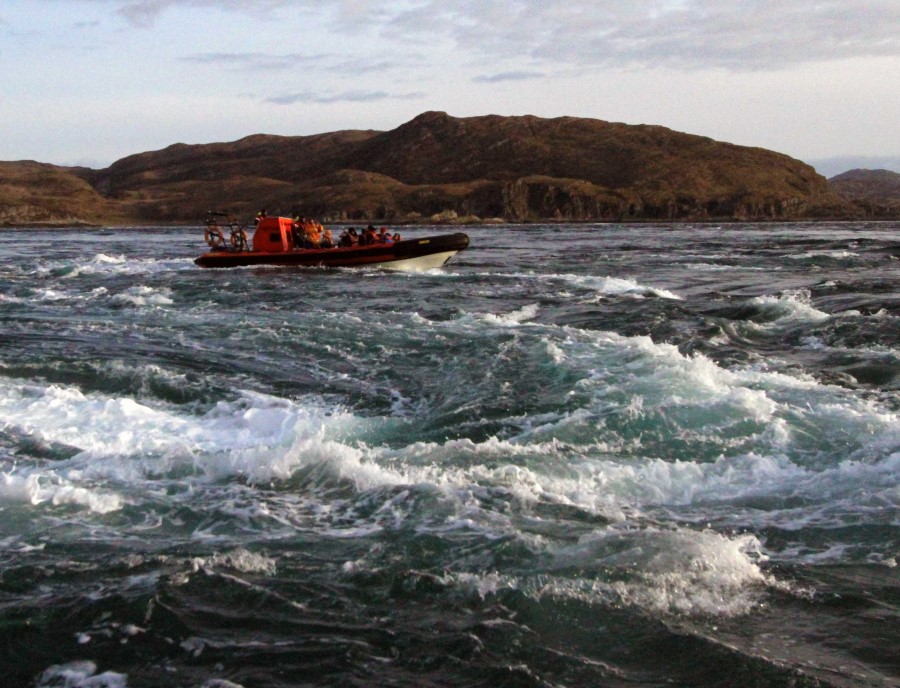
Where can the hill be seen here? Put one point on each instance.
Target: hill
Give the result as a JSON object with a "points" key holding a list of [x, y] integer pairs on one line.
{"points": [[517, 168], [877, 192], [33, 193], [832, 167]]}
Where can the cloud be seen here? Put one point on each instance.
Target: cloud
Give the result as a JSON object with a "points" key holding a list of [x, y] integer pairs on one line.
{"points": [[356, 67], [508, 76], [255, 61], [347, 13], [274, 62], [144, 13], [345, 97], [682, 34]]}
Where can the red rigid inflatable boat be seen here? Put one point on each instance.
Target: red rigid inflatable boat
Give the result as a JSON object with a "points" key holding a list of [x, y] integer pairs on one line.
{"points": [[273, 244]]}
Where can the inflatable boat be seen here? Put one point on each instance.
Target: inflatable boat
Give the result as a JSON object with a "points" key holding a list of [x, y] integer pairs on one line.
{"points": [[276, 241]]}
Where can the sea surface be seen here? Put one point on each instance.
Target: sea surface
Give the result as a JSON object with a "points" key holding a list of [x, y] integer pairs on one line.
{"points": [[577, 455]]}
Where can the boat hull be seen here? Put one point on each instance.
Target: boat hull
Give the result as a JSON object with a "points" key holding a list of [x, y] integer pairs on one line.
{"points": [[414, 255]]}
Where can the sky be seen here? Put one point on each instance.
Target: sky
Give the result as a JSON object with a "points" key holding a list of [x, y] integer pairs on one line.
{"points": [[86, 82]]}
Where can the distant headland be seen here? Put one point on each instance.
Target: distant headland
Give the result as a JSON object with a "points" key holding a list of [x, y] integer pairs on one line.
{"points": [[438, 168]]}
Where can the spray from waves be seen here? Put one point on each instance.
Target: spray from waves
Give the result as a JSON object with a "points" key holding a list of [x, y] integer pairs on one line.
{"points": [[80, 674], [100, 265], [135, 296], [107, 266], [614, 286], [35, 489], [641, 398], [835, 255], [623, 391], [611, 467], [121, 442], [600, 286], [144, 296], [523, 314], [682, 571], [676, 570], [662, 571], [789, 308]]}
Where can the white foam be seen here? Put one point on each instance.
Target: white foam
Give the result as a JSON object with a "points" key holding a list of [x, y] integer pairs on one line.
{"points": [[123, 442], [39, 487], [615, 286], [836, 255], [560, 457], [105, 265], [790, 308], [825, 445], [678, 571], [604, 286], [50, 295], [144, 296], [527, 312], [686, 572], [239, 560], [103, 259], [709, 267], [80, 674]]}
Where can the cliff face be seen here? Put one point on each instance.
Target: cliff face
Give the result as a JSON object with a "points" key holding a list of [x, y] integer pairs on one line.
{"points": [[516, 168]]}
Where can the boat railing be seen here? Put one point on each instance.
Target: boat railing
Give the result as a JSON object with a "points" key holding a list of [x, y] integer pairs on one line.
{"points": [[217, 224]]}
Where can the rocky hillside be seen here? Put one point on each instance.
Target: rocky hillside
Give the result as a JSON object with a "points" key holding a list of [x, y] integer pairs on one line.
{"points": [[441, 167], [876, 192]]}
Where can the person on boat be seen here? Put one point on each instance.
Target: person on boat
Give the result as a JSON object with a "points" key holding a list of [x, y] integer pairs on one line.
{"points": [[383, 236], [297, 232], [348, 237], [369, 236], [312, 237], [396, 237], [327, 241], [261, 215]]}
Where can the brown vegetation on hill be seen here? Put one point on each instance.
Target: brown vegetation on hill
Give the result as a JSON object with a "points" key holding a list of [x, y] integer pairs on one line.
{"points": [[876, 192], [438, 166], [33, 193]]}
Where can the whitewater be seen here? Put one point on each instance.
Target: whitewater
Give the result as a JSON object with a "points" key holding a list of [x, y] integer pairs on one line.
{"points": [[577, 455]]}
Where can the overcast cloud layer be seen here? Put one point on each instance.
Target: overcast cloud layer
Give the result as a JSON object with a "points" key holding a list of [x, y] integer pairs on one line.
{"points": [[105, 78]]}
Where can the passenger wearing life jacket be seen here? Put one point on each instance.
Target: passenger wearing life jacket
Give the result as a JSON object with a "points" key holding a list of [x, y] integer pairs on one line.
{"points": [[297, 232], [369, 236], [261, 215], [326, 241], [312, 236], [396, 237]]}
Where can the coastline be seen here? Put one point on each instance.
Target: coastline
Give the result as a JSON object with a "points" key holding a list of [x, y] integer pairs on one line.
{"points": [[493, 222]]}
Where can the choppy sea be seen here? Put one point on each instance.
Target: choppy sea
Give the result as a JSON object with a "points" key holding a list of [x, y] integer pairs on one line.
{"points": [[586, 455]]}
